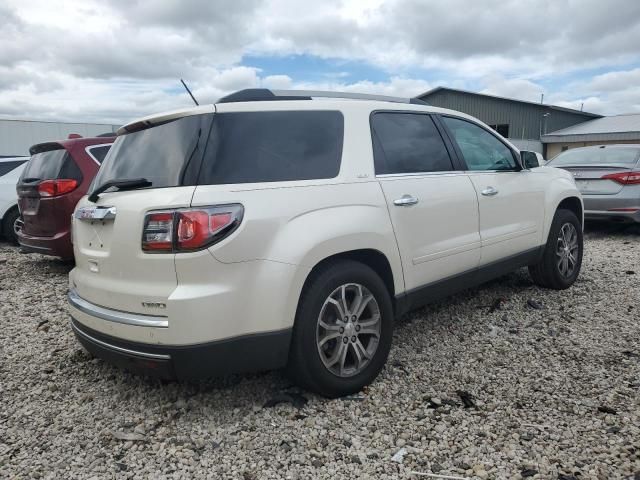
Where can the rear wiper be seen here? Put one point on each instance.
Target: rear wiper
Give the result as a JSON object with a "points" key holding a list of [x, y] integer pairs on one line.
{"points": [[123, 184]]}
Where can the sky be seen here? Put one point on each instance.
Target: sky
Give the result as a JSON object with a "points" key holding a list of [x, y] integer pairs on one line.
{"points": [[112, 61]]}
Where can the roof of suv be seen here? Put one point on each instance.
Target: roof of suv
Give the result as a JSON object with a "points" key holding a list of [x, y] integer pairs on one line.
{"points": [[265, 99]]}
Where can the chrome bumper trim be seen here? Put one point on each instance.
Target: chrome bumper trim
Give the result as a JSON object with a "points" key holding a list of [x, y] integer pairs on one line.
{"points": [[155, 356], [117, 316]]}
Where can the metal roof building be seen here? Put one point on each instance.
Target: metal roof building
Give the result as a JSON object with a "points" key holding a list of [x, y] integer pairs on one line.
{"points": [[16, 136], [601, 131], [521, 121]]}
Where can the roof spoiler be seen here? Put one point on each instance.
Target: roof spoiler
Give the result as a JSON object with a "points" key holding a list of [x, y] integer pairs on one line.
{"points": [[45, 147]]}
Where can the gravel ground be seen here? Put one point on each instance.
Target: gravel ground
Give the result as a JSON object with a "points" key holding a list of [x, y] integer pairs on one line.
{"points": [[504, 381]]}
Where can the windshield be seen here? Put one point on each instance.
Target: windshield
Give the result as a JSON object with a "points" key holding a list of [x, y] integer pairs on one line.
{"points": [[159, 154], [597, 156], [45, 165]]}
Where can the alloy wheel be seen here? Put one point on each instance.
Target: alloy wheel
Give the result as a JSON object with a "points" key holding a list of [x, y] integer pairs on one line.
{"points": [[348, 330], [567, 250]]}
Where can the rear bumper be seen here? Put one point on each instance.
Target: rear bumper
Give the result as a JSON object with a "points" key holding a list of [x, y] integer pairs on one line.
{"points": [[250, 353], [611, 207], [58, 245], [626, 217]]}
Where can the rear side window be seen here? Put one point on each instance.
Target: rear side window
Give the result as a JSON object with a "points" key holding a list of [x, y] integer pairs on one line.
{"points": [[248, 147], [51, 165], [408, 143], [480, 149], [6, 167], [98, 153]]}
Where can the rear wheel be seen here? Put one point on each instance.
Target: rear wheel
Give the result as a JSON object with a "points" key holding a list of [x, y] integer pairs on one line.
{"points": [[343, 329], [562, 258], [11, 225]]}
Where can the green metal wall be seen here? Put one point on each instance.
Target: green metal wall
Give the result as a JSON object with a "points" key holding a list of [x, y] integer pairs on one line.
{"points": [[525, 120]]}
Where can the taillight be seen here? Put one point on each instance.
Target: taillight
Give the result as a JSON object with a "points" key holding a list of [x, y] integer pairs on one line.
{"points": [[624, 178], [53, 188], [185, 230]]}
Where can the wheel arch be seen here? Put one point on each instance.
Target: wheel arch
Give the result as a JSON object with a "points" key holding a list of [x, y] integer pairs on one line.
{"points": [[573, 204], [370, 257]]}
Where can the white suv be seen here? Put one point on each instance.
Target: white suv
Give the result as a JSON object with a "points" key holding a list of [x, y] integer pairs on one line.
{"points": [[279, 229]]}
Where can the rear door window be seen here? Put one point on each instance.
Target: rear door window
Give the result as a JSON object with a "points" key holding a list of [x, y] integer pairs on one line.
{"points": [[408, 143], [248, 147], [6, 167]]}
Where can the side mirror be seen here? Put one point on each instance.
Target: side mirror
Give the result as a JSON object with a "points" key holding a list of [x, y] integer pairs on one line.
{"points": [[529, 159]]}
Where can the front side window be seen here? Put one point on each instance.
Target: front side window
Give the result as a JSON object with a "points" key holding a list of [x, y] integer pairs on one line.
{"points": [[249, 147], [408, 143], [480, 149]]}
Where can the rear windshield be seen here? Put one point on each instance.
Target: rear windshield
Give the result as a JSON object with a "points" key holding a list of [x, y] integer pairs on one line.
{"points": [[597, 156], [225, 148], [51, 165], [159, 154]]}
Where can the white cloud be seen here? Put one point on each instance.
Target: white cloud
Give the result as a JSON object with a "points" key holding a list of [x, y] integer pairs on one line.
{"points": [[282, 82], [116, 59], [519, 88]]}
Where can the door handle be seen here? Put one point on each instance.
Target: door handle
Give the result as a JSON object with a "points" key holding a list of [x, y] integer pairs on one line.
{"points": [[405, 201], [489, 192]]}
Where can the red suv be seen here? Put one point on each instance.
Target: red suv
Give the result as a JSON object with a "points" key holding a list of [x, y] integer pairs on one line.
{"points": [[55, 178]]}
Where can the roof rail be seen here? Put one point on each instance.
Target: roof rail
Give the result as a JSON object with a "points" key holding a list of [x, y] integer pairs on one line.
{"points": [[266, 94]]}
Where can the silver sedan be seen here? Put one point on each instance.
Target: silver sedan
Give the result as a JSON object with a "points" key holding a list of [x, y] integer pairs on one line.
{"points": [[608, 177]]}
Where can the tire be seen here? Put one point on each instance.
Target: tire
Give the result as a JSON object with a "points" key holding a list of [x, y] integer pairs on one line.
{"points": [[8, 225], [366, 355], [549, 272]]}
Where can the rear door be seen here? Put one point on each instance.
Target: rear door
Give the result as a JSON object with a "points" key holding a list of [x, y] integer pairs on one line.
{"points": [[42, 215], [433, 206], [511, 200], [112, 270]]}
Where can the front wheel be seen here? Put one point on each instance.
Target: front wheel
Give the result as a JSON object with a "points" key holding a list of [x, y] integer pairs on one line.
{"points": [[562, 257], [343, 330]]}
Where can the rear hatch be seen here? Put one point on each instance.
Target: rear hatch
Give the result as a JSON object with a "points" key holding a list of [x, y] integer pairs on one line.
{"points": [[112, 270], [51, 166], [598, 170]]}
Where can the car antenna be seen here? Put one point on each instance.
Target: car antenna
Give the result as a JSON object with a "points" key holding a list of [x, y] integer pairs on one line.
{"points": [[189, 92]]}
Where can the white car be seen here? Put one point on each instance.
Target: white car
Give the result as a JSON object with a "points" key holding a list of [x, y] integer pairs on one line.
{"points": [[291, 228], [10, 170]]}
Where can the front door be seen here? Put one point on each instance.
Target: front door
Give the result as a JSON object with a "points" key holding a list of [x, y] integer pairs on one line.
{"points": [[511, 200], [433, 206]]}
